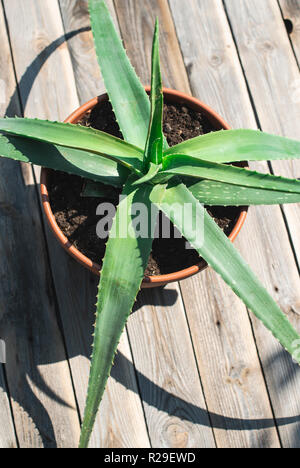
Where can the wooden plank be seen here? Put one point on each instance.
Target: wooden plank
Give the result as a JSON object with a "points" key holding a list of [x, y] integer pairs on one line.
{"points": [[273, 78], [136, 23], [7, 85], [174, 405], [27, 308], [7, 435], [216, 78], [140, 16], [76, 288], [81, 46], [291, 11]]}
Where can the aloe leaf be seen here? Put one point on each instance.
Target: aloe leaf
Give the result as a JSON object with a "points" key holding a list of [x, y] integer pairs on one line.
{"points": [[153, 171], [238, 145], [128, 97], [98, 190], [123, 269], [220, 194], [220, 253], [77, 137], [72, 161], [184, 165], [155, 138]]}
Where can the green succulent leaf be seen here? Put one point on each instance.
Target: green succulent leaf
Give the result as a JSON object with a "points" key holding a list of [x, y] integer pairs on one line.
{"points": [[238, 145], [72, 161], [153, 171], [184, 165], [214, 193], [98, 190], [76, 137], [220, 253], [155, 138], [128, 97], [123, 269]]}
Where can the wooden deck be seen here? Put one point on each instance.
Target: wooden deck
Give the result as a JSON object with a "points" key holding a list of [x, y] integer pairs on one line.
{"points": [[194, 368]]}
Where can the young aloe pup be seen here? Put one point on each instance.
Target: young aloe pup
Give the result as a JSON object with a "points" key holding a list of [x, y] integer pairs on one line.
{"points": [[193, 173]]}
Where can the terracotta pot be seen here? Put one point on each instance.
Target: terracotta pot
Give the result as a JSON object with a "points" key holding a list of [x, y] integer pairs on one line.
{"points": [[171, 96]]}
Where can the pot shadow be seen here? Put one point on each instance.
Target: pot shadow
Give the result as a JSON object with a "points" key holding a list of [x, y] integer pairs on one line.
{"points": [[28, 333], [149, 297]]}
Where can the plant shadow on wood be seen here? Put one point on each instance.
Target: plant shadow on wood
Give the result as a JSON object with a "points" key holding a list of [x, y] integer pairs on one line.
{"points": [[283, 376], [27, 317], [31, 73]]}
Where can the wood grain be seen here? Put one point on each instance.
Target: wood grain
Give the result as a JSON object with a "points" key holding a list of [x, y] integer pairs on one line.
{"points": [[81, 46], [7, 85], [174, 405], [291, 11], [137, 25], [216, 77], [7, 435], [273, 76], [37, 371]]}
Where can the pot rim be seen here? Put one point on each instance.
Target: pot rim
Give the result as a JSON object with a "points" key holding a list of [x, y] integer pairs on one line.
{"points": [[148, 281]]}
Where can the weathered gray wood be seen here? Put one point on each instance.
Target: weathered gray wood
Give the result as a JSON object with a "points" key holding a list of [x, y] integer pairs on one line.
{"points": [[7, 84], [76, 288], [37, 371], [216, 78], [81, 46], [7, 435], [291, 11], [142, 17], [174, 405], [136, 21], [273, 78]]}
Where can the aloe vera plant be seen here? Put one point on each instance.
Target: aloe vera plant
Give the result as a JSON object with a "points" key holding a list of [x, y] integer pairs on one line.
{"points": [[193, 173]]}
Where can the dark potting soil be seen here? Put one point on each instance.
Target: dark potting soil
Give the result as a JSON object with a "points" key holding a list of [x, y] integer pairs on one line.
{"points": [[76, 216]]}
